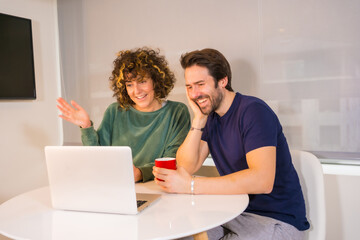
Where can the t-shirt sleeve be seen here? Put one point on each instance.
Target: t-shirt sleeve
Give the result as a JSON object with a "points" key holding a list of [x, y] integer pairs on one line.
{"points": [[259, 126]]}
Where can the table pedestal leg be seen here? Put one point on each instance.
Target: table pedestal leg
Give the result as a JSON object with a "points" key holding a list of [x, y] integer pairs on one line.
{"points": [[201, 236]]}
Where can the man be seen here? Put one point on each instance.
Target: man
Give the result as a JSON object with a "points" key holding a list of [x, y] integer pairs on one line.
{"points": [[245, 139]]}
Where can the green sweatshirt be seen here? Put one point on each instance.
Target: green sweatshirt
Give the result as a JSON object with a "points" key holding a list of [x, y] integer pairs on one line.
{"points": [[150, 135]]}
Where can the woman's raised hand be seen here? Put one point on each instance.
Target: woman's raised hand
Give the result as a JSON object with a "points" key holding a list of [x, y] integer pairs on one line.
{"points": [[73, 113]]}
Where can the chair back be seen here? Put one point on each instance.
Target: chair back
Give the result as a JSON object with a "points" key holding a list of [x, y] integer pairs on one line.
{"points": [[311, 177]]}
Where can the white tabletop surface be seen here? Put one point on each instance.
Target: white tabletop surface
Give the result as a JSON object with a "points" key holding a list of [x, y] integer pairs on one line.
{"points": [[30, 216]]}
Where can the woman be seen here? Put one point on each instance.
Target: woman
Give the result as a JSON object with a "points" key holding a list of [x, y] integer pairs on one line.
{"points": [[141, 118]]}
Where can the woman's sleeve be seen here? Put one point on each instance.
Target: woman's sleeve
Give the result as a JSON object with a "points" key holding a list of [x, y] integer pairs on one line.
{"points": [[146, 172], [102, 136], [179, 131]]}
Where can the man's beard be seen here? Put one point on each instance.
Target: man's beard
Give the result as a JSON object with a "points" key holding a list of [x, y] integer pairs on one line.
{"points": [[214, 102]]}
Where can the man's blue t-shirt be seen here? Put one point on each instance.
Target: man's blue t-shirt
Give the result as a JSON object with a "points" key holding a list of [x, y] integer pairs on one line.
{"points": [[247, 125]]}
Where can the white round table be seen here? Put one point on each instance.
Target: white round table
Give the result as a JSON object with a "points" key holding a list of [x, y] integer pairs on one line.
{"points": [[30, 216]]}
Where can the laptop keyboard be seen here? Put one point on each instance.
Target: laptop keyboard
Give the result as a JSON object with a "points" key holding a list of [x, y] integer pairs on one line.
{"points": [[140, 202]]}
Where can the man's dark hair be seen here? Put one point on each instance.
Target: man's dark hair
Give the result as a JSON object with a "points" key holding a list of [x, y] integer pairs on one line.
{"points": [[213, 60]]}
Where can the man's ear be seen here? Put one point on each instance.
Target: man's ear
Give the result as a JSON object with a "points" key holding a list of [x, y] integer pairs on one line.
{"points": [[223, 82]]}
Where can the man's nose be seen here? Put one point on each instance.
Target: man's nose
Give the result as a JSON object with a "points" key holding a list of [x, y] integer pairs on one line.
{"points": [[193, 93]]}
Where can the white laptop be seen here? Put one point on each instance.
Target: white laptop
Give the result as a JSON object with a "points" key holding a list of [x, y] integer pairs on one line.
{"points": [[94, 179]]}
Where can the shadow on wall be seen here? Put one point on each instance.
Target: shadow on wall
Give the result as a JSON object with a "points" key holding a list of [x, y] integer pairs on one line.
{"points": [[244, 77]]}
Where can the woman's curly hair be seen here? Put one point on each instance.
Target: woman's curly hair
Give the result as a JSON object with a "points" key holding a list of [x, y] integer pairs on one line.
{"points": [[144, 62]]}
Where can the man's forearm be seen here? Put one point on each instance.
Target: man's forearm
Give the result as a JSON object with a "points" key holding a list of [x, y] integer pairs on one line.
{"points": [[257, 179], [188, 154], [243, 182]]}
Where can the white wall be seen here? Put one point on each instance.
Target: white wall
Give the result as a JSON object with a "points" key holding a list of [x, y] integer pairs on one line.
{"points": [[26, 126]]}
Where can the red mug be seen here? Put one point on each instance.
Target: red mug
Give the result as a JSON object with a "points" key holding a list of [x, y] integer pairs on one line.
{"points": [[166, 162]]}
